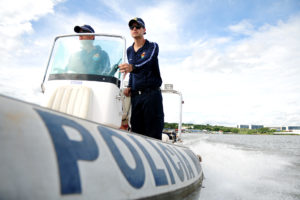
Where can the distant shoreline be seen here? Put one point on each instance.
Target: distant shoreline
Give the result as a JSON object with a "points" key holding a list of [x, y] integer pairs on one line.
{"points": [[230, 133], [286, 133]]}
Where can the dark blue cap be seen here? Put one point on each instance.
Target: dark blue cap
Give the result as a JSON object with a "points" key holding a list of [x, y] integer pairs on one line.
{"points": [[137, 20], [84, 29]]}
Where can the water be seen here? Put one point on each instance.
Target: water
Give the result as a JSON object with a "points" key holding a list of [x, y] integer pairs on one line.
{"points": [[248, 167]]}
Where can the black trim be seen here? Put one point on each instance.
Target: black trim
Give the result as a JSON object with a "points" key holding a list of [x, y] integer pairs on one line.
{"points": [[85, 77], [191, 191]]}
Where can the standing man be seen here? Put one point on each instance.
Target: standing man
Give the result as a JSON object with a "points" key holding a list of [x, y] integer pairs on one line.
{"points": [[147, 117]]}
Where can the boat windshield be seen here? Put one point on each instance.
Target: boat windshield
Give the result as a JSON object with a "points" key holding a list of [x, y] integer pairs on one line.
{"points": [[86, 55]]}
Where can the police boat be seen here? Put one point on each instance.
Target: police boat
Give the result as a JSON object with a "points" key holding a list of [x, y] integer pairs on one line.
{"points": [[72, 147]]}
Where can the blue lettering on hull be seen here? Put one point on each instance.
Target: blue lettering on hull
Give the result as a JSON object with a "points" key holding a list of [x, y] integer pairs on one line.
{"points": [[135, 177], [69, 152], [158, 174], [169, 152], [164, 160]]}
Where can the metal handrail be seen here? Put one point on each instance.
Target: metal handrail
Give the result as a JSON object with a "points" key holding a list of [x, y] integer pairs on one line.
{"points": [[180, 112]]}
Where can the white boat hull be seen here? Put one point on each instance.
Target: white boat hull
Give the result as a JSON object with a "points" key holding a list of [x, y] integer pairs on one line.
{"points": [[45, 155]]}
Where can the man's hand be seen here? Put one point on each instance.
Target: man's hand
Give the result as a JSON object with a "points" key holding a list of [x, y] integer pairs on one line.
{"points": [[127, 92], [125, 68]]}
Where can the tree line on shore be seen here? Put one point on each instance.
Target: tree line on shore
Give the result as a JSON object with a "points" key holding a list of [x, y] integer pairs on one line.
{"points": [[216, 128]]}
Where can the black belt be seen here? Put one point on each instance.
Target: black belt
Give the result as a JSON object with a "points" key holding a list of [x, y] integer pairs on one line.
{"points": [[143, 91]]}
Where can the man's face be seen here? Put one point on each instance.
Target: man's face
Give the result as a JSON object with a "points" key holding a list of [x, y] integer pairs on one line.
{"points": [[136, 30], [86, 41], [86, 37]]}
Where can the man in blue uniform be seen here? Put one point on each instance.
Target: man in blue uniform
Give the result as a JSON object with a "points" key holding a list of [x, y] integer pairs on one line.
{"points": [[147, 115], [91, 59]]}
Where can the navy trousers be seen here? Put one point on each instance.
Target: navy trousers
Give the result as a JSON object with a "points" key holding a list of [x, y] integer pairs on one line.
{"points": [[147, 115]]}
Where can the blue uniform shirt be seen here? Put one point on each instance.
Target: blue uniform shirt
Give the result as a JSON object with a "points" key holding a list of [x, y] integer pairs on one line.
{"points": [[146, 73]]}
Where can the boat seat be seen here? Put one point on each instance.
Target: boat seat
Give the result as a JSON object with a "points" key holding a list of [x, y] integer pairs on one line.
{"points": [[73, 100]]}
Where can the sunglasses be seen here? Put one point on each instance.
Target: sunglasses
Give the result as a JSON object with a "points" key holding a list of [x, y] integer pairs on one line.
{"points": [[135, 26]]}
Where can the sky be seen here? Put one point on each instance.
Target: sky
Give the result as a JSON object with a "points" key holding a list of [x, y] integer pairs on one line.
{"points": [[234, 61]]}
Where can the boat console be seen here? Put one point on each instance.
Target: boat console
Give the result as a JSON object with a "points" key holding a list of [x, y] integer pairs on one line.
{"points": [[82, 77]]}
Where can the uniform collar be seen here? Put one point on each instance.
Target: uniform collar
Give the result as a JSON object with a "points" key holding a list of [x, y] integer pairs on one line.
{"points": [[145, 44]]}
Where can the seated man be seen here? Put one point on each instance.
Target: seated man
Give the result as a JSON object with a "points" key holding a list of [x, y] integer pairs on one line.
{"points": [[90, 59]]}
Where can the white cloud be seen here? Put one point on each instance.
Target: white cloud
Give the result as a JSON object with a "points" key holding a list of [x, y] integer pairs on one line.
{"points": [[15, 20], [164, 24], [254, 80], [16, 12], [243, 27], [16, 16]]}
